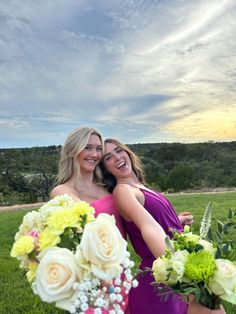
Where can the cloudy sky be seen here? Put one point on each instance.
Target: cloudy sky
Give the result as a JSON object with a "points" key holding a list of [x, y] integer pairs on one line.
{"points": [[138, 70]]}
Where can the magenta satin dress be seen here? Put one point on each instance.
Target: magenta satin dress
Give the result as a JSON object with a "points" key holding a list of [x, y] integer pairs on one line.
{"points": [[106, 205], [144, 299]]}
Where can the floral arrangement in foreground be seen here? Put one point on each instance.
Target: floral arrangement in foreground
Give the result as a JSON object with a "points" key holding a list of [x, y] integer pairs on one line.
{"points": [[74, 259], [195, 264]]}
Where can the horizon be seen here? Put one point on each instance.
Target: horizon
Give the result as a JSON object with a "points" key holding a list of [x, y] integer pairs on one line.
{"points": [[183, 143]]}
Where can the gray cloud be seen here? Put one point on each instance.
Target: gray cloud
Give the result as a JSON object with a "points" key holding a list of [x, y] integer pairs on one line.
{"points": [[144, 71]]}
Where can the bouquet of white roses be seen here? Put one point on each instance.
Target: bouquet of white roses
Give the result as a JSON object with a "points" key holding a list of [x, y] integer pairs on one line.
{"points": [[74, 259], [193, 264]]}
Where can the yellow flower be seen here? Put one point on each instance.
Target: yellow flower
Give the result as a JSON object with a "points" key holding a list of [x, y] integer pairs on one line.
{"points": [[83, 208], [60, 220], [31, 274], [70, 217], [47, 239], [22, 246]]}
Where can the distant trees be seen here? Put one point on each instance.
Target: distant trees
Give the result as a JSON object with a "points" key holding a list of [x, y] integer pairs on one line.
{"points": [[177, 166], [27, 174]]}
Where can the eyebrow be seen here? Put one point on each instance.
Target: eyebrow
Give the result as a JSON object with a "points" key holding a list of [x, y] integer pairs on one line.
{"points": [[114, 150], [104, 156], [90, 145]]}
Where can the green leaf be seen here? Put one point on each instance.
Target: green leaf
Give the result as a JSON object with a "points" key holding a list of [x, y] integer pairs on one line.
{"points": [[220, 226], [230, 214], [209, 235], [218, 253], [230, 223], [225, 248], [226, 229], [197, 295], [67, 242], [198, 248], [169, 244], [218, 236]]}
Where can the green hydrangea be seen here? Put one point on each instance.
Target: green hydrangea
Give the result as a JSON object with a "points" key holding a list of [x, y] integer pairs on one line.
{"points": [[200, 266]]}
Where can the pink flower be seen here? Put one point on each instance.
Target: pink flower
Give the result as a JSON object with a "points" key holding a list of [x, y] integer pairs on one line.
{"points": [[33, 233]]}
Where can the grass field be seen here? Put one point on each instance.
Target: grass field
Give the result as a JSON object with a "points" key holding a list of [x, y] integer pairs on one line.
{"points": [[16, 294]]}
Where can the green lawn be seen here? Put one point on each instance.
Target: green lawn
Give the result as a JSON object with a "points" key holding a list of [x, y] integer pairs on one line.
{"points": [[16, 294]]}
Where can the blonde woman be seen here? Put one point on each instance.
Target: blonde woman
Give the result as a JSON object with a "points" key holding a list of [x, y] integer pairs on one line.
{"points": [[78, 177]]}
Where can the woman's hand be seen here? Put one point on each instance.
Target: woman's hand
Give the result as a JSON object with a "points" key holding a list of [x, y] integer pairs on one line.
{"points": [[186, 218], [197, 308]]}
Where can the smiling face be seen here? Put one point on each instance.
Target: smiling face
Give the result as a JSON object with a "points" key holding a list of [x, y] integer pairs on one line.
{"points": [[90, 156], [117, 161]]}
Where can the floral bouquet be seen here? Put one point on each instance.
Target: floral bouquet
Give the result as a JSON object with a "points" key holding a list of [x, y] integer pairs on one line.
{"points": [[195, 264], [74, 259]]}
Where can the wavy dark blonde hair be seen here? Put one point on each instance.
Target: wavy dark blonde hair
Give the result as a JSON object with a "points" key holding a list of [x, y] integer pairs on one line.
{"points": [[137, 166], [75, 142]]}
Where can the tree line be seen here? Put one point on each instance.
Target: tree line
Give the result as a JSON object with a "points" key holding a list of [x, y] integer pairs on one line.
{"points": [[28, 174]]}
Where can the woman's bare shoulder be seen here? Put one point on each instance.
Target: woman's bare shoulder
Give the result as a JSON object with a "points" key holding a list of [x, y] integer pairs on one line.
{"points": [[64, 189], [59, 189], [122, 187]]}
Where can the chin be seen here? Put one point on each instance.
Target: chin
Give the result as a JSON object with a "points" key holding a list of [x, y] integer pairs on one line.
{"points": [[91, 168]]}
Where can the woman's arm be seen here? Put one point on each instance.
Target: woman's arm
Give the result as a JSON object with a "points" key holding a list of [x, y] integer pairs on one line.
{"points": [[130, 208]]}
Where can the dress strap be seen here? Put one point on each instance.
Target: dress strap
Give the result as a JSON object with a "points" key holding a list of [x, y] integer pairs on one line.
{"points": [[158, 195], [142, 188]]}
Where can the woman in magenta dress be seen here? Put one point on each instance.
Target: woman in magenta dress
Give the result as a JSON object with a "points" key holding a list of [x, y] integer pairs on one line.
{"points": [[148, 215]]}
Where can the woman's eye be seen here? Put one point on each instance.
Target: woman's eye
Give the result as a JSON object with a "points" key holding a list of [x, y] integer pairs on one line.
{"points": [[107, 158]]}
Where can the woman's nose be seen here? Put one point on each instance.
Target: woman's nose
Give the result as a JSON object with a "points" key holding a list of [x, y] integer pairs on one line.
{"points": [[94, 152], [116, 156]]}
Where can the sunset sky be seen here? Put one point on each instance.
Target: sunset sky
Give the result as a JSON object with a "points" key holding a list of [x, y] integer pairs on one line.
{"points": [[140, 71]]}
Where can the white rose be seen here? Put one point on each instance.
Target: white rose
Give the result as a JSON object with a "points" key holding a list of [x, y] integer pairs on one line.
{"points": [[208, 246], [224, 280], [161, 269], [59, 202], [83, 263], [48, 210], [103, 247], [178, 260], [31, 220], [18, 235], [56, 274]]}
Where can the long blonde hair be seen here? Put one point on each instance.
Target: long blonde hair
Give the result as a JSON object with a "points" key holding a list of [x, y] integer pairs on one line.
{"points": [[73, 145]]}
